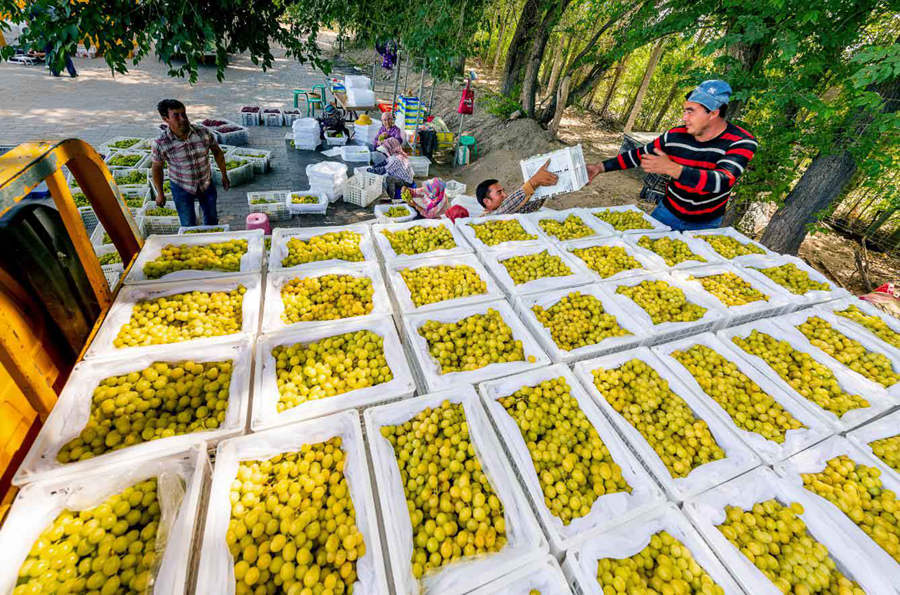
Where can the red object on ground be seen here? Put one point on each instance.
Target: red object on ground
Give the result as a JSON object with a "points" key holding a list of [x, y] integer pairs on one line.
{"points": [[259, 221], [385, 107], [455, 212]]}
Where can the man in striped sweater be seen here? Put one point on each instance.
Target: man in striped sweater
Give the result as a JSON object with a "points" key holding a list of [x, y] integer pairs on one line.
{"points": [[704, 159]]}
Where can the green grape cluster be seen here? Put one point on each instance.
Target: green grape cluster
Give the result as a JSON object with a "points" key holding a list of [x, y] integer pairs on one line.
{"points": [[326, 297], [264, 201], [888, 450], [662, 302], [304, 199], [497, 231], [672, 250], [731, 289], [124, 160], [664, 566], [218, 256], [234, 163], [573, 465], [577, 320], [182, 317], [793, 279], [106, 239], [729, 247], [134, 202], [162, 400], [420, 239], [397, 212], [110, 258], [858, 492], [850, 352], [328, 367], [472, 342], [807, 376], [453, 509], [293, 524], [607, 261], [267, 243], [875, 324], [624, 220], [125, 143], [81, 199], [530, 267], [570, 229], [108, 549], [336, 245], [774, 538], [431, 284], [638, 393], [750, 407], [130, 178], [160, 212]]}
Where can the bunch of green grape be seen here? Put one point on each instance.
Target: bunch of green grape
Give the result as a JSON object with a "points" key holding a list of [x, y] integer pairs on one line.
{"points": [[624, 220], [336, 245], [850, 352], [530, 267], [110, 258], [497, 231], [875, 324], [577, 320], [662, 302], [160, 212], [326, 297], [431, 284], [672, 250], [729, 247], [731, 289], [793, 279], [888, 450], [304, 199], [472, 342], [398, 211], [569, 229], [218, 256], [420, 239], [607, 261]]}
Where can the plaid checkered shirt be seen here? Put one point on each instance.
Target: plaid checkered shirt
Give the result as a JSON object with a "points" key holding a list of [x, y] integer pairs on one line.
{"points": [[188, 159]]}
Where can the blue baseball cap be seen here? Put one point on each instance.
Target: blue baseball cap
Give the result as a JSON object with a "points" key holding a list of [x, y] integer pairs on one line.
{"points": [[711, 94]]}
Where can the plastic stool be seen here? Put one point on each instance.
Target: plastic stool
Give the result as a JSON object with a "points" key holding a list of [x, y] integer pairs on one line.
{"points": [[469, 141], [259, 221]]}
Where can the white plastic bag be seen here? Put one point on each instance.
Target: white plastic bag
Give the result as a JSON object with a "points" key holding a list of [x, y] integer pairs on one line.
{"points": [[701, 249], [815, 296], [816, 427], [653, 223], [251, 261], [606, 511], [216, 571], [464, 225], [525, 543], [547, 299], [266, 395], [738, 457], [867, 309], [180, 476], [708, 511], [429, 368], [732, 233], [886, 427], [281, 235], [600, 229], [546, 578], [494, 262], [389, 254], [649, 262]]}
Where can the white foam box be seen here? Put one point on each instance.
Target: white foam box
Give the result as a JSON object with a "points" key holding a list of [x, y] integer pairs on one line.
{"points": [[885, 427], [430, 369], [381, 210], [265, 412], [401, 294], [317, 208], [181, 480], [739, 458], [251, 261], [388, 253], [275, 282], [647, 261], [281, 236], [755, 263], [216, 571], [667, 331], [464, 225], [494, 261], [653, 224], [867, 309], [120, 313], [708, 511], [525, 545], [568, 165], [598, 228], [624, 541], [732, 233], [849, 381], [705, 254], [546, 300], [607, 510], [815, 429], [545, 577]]}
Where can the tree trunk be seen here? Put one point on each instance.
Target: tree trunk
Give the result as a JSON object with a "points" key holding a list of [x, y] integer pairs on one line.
{"points": [[666, 105], [645, 82], [562, 98], [506, 19], [558, 64], [546, 68], [487, 47], [620, 68], [518, 51], [536, 56]]}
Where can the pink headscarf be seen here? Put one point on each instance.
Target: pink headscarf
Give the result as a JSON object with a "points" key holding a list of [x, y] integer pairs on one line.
{"points": [[392, 145]]}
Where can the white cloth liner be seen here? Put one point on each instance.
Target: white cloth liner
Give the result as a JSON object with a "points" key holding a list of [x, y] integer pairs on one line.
{"points": [[667, 331], [814, 460], [463, 224], [216, 571], [849, 381], [388, 253], [274, 305], [402, 296], [698, 247], [657, 226], [816, 430], [546, 577], [39, 503], [600, 228], [632, 537], [868, 309], [281, 235], [525, 543], [382, 209], [203, 229], [610, 344], [266, 395], [738, 457], [430, 369], [72, 410], [607, 510], [730, 232], [648, 260], [251, 261], [120, 313], [885, 427], [494, 263], [755, 262], [708, 511]]}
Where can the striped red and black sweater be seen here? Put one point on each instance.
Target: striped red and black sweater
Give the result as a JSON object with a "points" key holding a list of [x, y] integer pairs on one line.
{"points": [[710, 169]]}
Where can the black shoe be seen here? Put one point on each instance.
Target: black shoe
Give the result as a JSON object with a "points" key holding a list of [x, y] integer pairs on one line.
{"points": [[74, 75]]}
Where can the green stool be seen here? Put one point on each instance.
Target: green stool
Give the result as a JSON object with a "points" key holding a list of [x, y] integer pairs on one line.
{"points": [[469, 141]]}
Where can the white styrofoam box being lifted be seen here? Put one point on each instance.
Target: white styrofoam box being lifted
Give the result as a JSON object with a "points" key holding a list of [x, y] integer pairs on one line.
{"points": [[815, 428], [709, 235], [814, 296], [889, 333], [465, 225], [605, 511], [644, 261], [545, 577], [388, 253], [496, 263], [250, 262], [885, 427], [216, 571], [180, 480], [707, 512], [849, 382], [72, 412], [594, 228], [568, 164], [525, 544], [650, 224], [281, 237], [701, 253]]}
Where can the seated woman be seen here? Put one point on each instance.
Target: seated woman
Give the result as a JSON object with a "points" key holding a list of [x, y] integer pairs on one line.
{"points": [[396, 169], [387, 130], [332, 120], [430, 201]]}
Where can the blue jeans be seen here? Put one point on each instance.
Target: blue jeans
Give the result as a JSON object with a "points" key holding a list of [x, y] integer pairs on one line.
{"points": [[662, 214], [184, 204]]}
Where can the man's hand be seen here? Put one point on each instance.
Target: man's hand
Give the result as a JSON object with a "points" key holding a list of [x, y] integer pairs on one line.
{"points": [[658, 162], [594, 171], [226, 183], [542, 177], [160, 199]]}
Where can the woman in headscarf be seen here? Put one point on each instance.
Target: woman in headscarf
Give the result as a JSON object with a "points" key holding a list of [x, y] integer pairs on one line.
{"points": [[387, 130], [396, 169], [332, 120], [430, 200]]}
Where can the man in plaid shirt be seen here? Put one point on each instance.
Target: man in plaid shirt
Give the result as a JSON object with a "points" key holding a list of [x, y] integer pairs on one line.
{"points": [[492, 196], [184, 149]]}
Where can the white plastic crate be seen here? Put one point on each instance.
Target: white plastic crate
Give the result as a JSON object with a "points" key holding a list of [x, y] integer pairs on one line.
{"points": [[355, 154], [165, 224], [363, 173], [272, 116], [464, 225], [545, 577], [332, 140], [318, 208], [362, 191], [281, 235], [868, 310], [382, 210], [274, 207], [420, 165], [648, 261], [143, 160], [653, 224], [452, 188], [119, 177], [389, 254], [108, 147], [755, 263], [113, 272], [885, 427], [249, 117], [291, 115], [494, 261], [705, 254], [258, 157], [233, 137], [568, 164], [732, 233], [597, 228], [203, 229], [238, 176]]}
